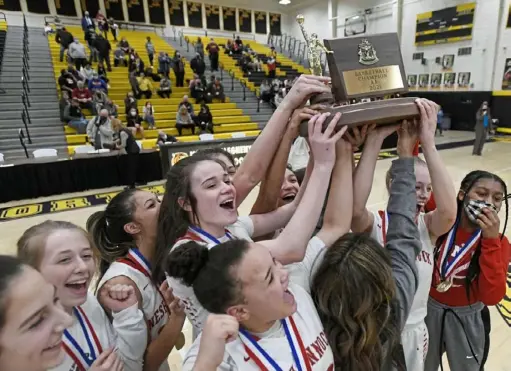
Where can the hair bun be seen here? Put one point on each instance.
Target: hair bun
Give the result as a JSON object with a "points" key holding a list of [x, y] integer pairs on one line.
{"points": [[186, 261]]}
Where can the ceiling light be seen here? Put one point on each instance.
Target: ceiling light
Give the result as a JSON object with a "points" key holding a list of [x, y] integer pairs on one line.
{"points": [[285, 2]]}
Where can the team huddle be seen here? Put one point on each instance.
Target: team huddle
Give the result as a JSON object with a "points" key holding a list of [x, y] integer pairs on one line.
{"points": [[309, 280]]}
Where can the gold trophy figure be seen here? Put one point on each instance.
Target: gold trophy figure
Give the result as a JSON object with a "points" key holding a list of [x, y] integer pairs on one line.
{"points": [[315, 47]]}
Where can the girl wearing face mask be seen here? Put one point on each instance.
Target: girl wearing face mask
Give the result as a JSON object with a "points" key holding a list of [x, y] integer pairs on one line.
{"points": [[62, 252], [149, 115], [431, 225], [199, 205], [32, 321], [482, 128], [471, 262], [125, 236], [134, 122]]}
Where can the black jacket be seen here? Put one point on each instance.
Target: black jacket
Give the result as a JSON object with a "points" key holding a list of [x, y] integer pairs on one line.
{"points": [[64, 38], [103, 46]]}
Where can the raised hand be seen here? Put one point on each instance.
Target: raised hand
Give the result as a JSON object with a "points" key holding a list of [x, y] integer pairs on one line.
{"points": [[408, 134], [323, 144], [303, 88], [429, 112], [118, 297], [357, 136], [300, 115], [107, 361]]}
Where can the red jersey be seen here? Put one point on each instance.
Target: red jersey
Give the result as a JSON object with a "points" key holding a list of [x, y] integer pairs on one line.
{"points": [[490, 285]]}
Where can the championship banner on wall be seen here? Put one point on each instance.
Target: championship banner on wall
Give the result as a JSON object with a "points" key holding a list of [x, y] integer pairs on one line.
{"points": [[156, 12], [136, 11], [114, 9], [65, 8], [506, 78], [245, 20], [229, 15], [38, 6], [92, 6], [260, 22], [177, 13], [13, 5], [194, 14], [275, 27], [447, 25], [212, 16], [508, 23]]}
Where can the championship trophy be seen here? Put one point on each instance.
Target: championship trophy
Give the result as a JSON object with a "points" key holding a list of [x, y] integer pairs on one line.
{"points": [[359, 71]]}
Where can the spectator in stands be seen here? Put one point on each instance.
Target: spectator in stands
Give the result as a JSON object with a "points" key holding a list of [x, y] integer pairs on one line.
{"points": [[272, 67], [165, 89], [87, 22], [113, 109], [198, 65], [245, 63], [149, 47], [97, 83], [164, 138], [130, 102], [74, 117], [63, 103], [77, 53], [212, 49], [87, 72], [184, 120], [179, 69], [48, 29], [102, 73], [133, 79], [229, 47], [149, 115], [273, 53], [114, 27], [187, 104], [265, 92], [134, 122], [164, 64], [199, 47], [256, 63], [66, 81], [90, 38], [125, 45], [205, 119], [145, 87], [73, 72], [216, 91], [103, 27], [124, 140], [99, 99], [151, 75], [83, 95], [100, 132], [239, 44], [198, 91], [120, 58], [64, 38], [137, 65], [103, 47], [279, 97]]}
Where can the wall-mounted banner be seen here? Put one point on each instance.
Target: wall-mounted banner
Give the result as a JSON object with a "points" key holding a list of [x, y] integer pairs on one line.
{"points": [[156, 12], [114, 9], [212, 16], [92, 6], [275, 25], [13, 5], [136, 11], [260, 22], [194, 14], [245, 20], [177, 13], [229, 18], [506, 79], [65, 7], [38, 6], [508, 23]]}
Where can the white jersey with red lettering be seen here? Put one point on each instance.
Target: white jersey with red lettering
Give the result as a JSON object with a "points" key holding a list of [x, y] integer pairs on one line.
{"points": [[92, 333], [415, 336], [154, 307], [304, 328]]}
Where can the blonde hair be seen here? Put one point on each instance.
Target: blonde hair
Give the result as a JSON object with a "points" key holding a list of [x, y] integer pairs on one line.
{"points": [[117, 125]]}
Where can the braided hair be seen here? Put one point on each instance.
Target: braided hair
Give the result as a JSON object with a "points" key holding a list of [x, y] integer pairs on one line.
{"points": [[466, 185]]}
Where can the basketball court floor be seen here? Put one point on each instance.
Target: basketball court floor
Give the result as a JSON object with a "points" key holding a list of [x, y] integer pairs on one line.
{"points": [[458, 160]]}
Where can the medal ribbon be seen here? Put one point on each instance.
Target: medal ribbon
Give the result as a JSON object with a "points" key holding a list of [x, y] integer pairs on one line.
{"points": [[206, 237], [264, 361], [74, 350]]}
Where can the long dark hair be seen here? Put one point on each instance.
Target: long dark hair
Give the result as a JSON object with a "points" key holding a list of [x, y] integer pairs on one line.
{"points": [[106, 229], [466, 185], [10, 268], [215, 151]]}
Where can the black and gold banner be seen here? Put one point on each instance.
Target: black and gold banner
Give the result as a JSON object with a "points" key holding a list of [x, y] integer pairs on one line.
{"points": [[38, 6], [508, 23], [65, 8], [156, 12], [275, 26], [212, 16], [447, 25], [177, 14], [260, 22], [136, 11], [92, 6], [245, 20], [13, 5], [114, 9], [229, 15], [194, 14]]}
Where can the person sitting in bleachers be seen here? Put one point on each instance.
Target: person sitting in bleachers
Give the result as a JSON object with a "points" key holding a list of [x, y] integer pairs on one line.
{"points": [[63, 103], [102, 73], [66, 81], [97, 83], [48, 29], [134, 122], [204, 119], [265, 91], [130, 102], [113, 109], [74, 117], [256, 63], [149, 115], [83, 95], [216, 91], [164, 64], [77, 53], [99, 99], [184, 120], [120, 58], [124, 45], [165, 138], [64, 38], [151, 75], [125, 141], [245, 63], [185, 102], [145, 87], [87, 72], [198, 65], [198, 91], [137, 65], [178, 66], [239, 44], [100, 132], [76, 75], [165, 89], [229, 47]]}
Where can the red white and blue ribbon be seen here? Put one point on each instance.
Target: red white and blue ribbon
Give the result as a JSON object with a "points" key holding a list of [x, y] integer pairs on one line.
{"points": [[384, 215], [137, 261], [82, 359], [447, 265], [206, 237], [265, 362]]}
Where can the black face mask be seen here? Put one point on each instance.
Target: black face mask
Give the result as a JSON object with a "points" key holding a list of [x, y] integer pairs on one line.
{"points": [[102, 119]]}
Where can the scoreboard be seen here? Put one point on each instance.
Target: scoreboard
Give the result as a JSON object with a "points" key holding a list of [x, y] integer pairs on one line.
{"points": [[446, 25]]}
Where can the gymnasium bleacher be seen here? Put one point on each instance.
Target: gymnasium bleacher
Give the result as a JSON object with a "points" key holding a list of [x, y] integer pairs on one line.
{"points": [[226, 116], [3, 34]]}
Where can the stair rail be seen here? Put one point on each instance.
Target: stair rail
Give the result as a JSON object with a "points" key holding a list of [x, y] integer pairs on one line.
{"points": [[231, 73], [258, 96], [21, 137], [2, 16], [243, 83], [24, 119]]}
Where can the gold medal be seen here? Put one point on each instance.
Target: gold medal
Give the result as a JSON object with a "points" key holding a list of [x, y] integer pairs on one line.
{"points": [[444, 286]]}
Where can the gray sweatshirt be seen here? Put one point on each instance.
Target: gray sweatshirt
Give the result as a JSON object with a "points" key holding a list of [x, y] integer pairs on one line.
{"points": [[77, 50]]}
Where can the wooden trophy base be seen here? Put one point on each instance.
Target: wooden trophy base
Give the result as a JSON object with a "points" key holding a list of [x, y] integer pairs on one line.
{"points": [[390, 111]]}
